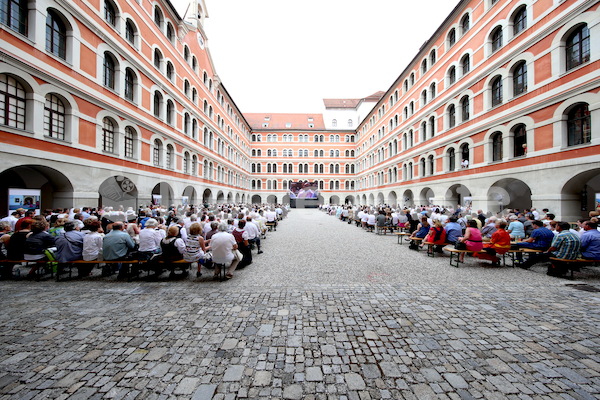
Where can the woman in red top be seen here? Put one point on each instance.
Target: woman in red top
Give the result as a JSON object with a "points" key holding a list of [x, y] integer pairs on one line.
{"points": [[499, 244], [436, 235]]}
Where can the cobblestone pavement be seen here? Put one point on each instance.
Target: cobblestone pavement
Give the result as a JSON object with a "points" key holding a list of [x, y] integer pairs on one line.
{"points": [[327, 312]]}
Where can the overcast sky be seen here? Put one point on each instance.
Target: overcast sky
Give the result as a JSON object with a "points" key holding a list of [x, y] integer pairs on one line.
{"points": [[285, 56]]}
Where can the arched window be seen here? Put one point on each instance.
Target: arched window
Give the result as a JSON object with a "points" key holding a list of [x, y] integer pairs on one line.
{"points": [[170, 71], [451, 116], [54, 117], [170, 118], [186, 163], [578, 47], [129, 142], [497, 146], [452, 75], [194, 63], [110, 12], [130, 80], [519, 141], [430, 165], [194, 170], [412, 79], [497, 91], [130, 31], [14, 14], [465, 108], [432, 57], [158, 99], [465, 24], [156, 153], [170, 32], [108, 135], [451, 37], [110, 70], [186, 88], [334, 123], [431, 127], [56, 35], [194, 128], [497, 39], [520, 78], [186, 124], [422, 167], [464, 154], [424, 66], [579, 126], [465, 63], [158, 17], [194, 95], [157, 58], [170, 156], [451, 159], [349, 123], [432, 90], [423, 131], [520, 20], [424, 97]]}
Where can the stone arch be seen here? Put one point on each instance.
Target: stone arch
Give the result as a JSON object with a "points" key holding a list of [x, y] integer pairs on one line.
{"points": [[237, 197], [509, 193], [408, 198], [207, 196], [165, 192], [578, 195], [349, 200], [229, 197], [334, 199], [371, 200], [118, 191], [457, 194], [426, 196], [56, 190], [380, 198], [220, 197], [256, 199], [392, 198], [272, 199], [190, 192]]}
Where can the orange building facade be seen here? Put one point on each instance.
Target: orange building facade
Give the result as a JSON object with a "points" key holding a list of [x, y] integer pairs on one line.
{"points": [[113, 102]]}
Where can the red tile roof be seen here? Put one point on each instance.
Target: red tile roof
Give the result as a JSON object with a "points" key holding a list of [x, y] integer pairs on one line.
{"points": [[285, 121]]}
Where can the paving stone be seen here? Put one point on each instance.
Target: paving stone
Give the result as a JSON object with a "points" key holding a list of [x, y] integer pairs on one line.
{"points": [[314, 374], [187, 386], [204, 392], [262, 378], [292, 392], [354, 381], [233, 373]]}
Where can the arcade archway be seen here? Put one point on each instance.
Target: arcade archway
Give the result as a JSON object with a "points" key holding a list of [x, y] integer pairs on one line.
{"points": [[162, 194], [118, 191], [509, 193], [578, 195], [56, 190]]}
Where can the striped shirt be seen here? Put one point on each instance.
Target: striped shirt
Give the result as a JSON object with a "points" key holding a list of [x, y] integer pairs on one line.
{"points": [[567, 245]]}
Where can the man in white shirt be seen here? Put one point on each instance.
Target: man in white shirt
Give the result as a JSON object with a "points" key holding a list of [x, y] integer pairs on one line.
{"points": [[222, 245], [253, 233]]}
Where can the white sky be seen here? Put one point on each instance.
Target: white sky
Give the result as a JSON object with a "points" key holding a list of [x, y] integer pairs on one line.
{"points": [[285, 56]]}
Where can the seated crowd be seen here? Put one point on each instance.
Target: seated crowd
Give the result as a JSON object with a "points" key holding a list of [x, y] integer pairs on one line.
{"points": [[485, 236], [196, 235]]}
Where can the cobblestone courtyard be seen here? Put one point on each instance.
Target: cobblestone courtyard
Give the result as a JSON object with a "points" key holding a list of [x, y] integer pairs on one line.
{"points": [[327, 312]]}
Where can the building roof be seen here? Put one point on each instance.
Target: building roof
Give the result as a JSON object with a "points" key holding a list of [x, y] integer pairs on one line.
{"points": [[270, 121], [352, 103]]}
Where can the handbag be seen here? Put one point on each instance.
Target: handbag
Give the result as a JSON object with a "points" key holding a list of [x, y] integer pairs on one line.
{"points": [[238, 255], [460, 246]]}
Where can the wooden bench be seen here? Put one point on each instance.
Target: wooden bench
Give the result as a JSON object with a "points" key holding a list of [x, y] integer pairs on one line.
{"points": [[430, 248], [512, 253], [401, 236], [457, 252], [575, 265], [46, 264], [271, 226], [385, 229]]}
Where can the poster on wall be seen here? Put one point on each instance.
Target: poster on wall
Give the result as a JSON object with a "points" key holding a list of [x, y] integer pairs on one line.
{"points": [[597, 201], [156, 199], [29, 199], [185, 200]]}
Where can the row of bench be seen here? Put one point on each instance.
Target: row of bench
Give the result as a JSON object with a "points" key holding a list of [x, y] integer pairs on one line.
{"points": [[572, 265]]}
